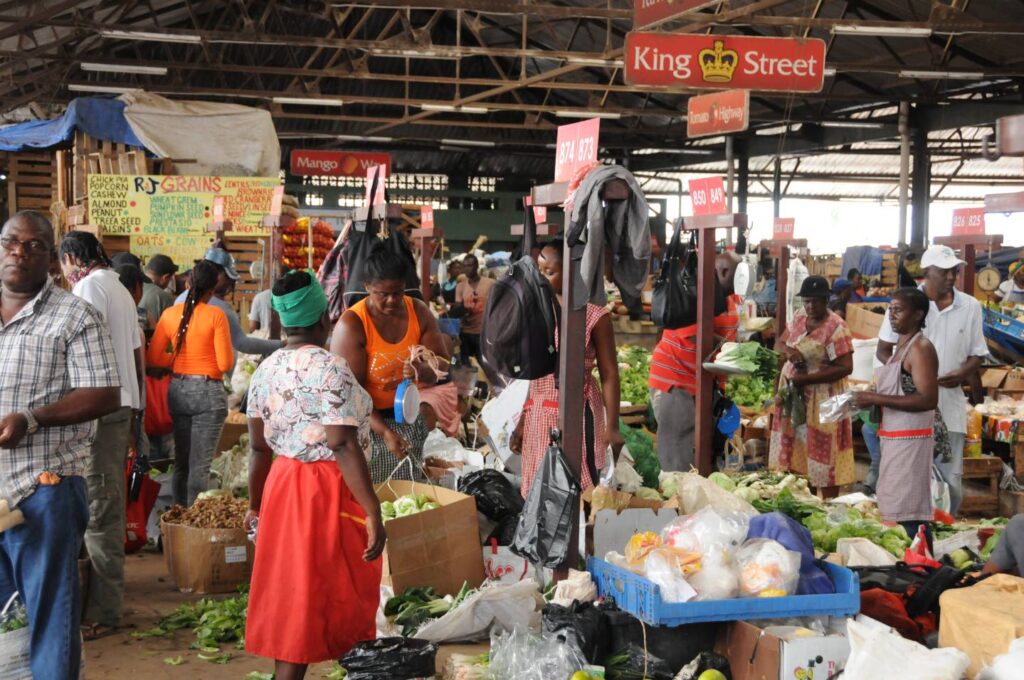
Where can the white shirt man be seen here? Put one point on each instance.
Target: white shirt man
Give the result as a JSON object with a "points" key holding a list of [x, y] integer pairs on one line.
{"points": [[954, 326]]}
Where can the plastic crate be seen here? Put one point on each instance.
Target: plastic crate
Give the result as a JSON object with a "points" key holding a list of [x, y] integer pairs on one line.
{"points": [[449, 326], [1005, 330], [641, 598]]}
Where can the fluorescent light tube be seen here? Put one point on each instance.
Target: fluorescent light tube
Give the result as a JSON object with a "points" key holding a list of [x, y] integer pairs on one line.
{"points": [[101, 89], [882, 31], [123, 68], [856, 124], [942, 75], [467, 142], [591, 61], [454, 109], [308, 101], [360, 138], [613, 115], [829, 71], [151, 36]]}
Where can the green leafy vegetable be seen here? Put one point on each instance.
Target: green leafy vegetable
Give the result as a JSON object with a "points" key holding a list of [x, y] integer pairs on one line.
{"points": [[645, 458], [634, 371], [214, 623], [174, 661]]}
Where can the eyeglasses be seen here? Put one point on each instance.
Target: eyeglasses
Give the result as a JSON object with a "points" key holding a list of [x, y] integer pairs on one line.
{"points": [[30, 247]]}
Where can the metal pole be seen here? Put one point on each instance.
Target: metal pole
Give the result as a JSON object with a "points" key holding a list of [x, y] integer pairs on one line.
{"points": [[729, 182], [904, 128], [777, 186]]}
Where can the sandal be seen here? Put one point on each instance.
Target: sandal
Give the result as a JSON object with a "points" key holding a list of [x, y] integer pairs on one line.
{"points": [[96, 631]]}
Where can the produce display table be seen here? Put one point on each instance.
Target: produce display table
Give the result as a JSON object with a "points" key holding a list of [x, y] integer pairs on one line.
{"points": [[989, 468]]}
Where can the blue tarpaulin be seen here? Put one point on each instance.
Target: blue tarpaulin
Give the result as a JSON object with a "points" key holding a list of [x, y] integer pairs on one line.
{"points": [[98, 117], [867, 259]]}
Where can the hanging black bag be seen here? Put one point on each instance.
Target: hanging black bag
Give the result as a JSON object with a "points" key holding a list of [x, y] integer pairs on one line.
{"points": [[674, 302]]}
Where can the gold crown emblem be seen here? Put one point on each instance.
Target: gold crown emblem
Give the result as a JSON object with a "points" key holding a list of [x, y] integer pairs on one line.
{"points": [[718, 63]]}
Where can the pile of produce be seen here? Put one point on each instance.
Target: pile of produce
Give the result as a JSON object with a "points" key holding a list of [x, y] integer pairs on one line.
{"points": [[212, 510], [214, 622], [230, 470], [750, 391], [634, 370], [403, 506], [296, 244], [416, 606], [645, 459], [15, 619]]}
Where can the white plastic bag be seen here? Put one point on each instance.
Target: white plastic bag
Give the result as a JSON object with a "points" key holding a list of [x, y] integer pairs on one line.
{"points": [[860, 552], [834, 409], [578, 586], [717, 578], [493, 608], [14, 646], [621, 475], [708, 530], [876, 652], [524, 656], [664, 571], [1009, 666], [940, 491], [767, 569], [696, 492]]}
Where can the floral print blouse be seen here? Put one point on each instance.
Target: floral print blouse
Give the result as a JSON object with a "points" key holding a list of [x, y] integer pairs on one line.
{"points": [[298, 392]]}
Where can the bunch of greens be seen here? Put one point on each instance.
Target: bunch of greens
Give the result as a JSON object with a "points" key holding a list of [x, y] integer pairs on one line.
{"points": [[998, 523], [749, 391], [766, 485], [15, 620], [645, 458], [415, 606], [403, 506], [214, 622], [634, 370]]}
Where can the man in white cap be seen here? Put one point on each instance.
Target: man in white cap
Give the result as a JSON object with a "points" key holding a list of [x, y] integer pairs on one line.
{"points": [[954, 326]]}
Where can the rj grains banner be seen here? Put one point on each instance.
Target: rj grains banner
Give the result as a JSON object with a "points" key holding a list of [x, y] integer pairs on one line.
{"points": [[170, 214]]}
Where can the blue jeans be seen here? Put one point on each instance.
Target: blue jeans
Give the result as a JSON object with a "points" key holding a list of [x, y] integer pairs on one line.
{"points": [[198, 409], [870, 434], [39, 559]]}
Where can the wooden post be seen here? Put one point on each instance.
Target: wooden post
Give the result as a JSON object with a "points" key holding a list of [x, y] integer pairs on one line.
{"points": [[967, 246], [780, 249], [425, 238]]}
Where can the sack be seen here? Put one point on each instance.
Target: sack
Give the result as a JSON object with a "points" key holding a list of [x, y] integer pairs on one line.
{"points": [[394, 657], [491, 610], [520, 323], [495, 496], [674, 301], [877, 653], [158, 416], [501, 565], [15, 645], [545, 525]]}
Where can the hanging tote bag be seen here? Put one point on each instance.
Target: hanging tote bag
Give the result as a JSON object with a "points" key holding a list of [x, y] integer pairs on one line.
{"points": [[158, 421], [674, 302]]}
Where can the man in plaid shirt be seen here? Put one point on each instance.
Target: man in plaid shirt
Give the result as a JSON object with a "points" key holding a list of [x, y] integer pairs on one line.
{"points": [[57, 376]]}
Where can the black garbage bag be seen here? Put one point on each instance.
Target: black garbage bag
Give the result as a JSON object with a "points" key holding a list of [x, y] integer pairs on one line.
{"points": [[581, 624], [634, 662], [705, 661], [397, 658], [505, 532], [545, 526], [496, 497]]}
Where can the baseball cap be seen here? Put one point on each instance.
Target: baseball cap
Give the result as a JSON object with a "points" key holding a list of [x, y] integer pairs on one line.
{"points": [[161, 265], [221, 257], [814, 286], [119, 259], [840, 285], [942, 257]]}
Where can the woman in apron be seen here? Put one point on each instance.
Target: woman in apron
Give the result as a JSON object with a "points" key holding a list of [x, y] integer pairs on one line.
{"points": [[1011, 291], [906, 389]]}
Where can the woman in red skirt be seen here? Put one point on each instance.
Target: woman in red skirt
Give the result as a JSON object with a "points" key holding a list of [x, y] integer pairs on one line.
{"points": [[316, 580]]}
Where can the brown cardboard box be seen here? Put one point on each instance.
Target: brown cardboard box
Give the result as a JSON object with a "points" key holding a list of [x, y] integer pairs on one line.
{"points": [[1014, 380], [207, 560], [862, 322], [755, 654], [992, 378], [438, 548]]}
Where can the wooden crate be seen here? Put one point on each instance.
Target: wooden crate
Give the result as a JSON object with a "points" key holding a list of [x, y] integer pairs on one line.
{"points": [[989, 468], [638, 414], [31, 181], [248, 250]]}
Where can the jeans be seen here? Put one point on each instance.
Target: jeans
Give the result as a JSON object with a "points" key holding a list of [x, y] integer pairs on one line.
{"points": [[198, 409], [104, 538], [675, 413], [39, 559], [469, 347], [161, 447], [953, 471], [870, 434]]}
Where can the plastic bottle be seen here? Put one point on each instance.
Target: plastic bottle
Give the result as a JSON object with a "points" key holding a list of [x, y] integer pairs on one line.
{"points": [[972, 445]]}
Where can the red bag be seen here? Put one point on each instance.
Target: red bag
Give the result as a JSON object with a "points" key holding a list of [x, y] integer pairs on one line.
{"points": [[137, 511], [158, 417]]}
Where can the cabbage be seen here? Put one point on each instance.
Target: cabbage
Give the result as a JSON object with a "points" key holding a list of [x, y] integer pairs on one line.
{"points": [[722, 480], [405, 506], [648, 494]]}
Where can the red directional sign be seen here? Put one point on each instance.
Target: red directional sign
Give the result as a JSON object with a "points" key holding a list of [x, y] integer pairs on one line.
{"points": [[646, 12], [968, 221], [718, 113], [724, 62], [783, 228], [576, 146], [707, 195]]}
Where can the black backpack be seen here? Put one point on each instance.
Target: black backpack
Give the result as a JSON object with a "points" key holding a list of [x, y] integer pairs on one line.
{"points": [[518, 339]]}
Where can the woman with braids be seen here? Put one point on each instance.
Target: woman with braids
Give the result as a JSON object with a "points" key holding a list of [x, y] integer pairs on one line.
{"points": [[193, 341], [319, 533]]}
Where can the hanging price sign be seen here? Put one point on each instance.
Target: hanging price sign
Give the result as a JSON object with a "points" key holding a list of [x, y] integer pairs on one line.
{"points": [[707, 195], [576, 147], [783, 228], [968, 221]]}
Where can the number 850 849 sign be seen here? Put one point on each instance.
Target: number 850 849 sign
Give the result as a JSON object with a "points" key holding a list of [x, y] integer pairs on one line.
{"points": [[576, 147]]}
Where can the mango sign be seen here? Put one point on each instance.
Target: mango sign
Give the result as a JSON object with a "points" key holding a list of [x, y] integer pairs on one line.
{"points": [[169, 214]]}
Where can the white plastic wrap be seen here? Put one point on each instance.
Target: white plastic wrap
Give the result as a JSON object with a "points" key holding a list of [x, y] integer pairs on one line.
{"points": [[663, 569], [524, 656], [716, 580], [696, 492], [836, 408], [1009, 666], [493, 608], [876, 652], [707, 531], [767, 569], [14, 646], [578, 586]]}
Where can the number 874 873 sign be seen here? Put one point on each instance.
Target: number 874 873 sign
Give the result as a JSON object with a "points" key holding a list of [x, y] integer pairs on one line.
{"points": [[576, 147]]}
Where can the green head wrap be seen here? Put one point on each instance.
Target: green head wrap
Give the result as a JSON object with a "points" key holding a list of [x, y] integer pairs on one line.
{"points": [[1015, 267], [301, 308]]}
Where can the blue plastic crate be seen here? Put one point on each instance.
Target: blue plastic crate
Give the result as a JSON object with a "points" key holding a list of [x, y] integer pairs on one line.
{"points": [[449, 326], [641, 598], [1005, 330]]}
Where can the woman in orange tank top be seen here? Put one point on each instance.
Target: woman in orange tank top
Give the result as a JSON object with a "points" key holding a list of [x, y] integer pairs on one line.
{"points": [[375, 337]]}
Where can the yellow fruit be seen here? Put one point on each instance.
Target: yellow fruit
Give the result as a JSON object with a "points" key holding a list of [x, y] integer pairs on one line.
{"points": [[583, 675], [711, 674]]}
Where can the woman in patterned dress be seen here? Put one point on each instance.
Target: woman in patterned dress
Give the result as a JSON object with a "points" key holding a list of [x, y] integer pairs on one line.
{"points": [[600, 402], [819, 355], [319, 535]]}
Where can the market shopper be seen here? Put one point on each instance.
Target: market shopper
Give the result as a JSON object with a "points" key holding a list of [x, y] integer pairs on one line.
{"points": [[818, 349], [455, 277], [377, 336], [600, 401], [160, 271], [954, 327], [906, 389], [842, 292], [87, 268], [471, 300], [319, 533], [1008, 555], [856, 280], [193, 341], [1011, 291], [58, 375]]}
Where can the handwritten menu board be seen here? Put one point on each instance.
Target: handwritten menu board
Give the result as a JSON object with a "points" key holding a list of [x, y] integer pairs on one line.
{"points": [[170, 214]]}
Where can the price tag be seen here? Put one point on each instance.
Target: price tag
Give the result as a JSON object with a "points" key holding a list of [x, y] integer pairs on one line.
{"points": [[275, 202], [575, 147], [707, 195], [540, 212], [381, 183], [968, 221], [783, 228], [426, 217]]}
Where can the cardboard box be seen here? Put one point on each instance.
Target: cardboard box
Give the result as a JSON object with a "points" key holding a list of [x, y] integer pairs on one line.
{"points": [[438, 548], [864, 323], [992, 378], [229, 436], [755, 654], [609, 530], [206, 561], [1014, 380]]}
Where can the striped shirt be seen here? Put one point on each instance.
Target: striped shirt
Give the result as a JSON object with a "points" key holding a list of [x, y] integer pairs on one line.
{"points": [[56, 344], [674, 360]]}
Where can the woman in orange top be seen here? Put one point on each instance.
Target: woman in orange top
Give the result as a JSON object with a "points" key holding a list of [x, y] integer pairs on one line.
{"points": [[375, 337], [193, 341]]}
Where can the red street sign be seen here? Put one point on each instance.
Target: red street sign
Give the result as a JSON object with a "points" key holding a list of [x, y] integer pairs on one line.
{"points": [[382, 182], [646, 12], [540, 212], [707, 195], [426, 217], [968, 221], [783, 228], [336, 163], [575, 147], [724, 62], [718, 113]]}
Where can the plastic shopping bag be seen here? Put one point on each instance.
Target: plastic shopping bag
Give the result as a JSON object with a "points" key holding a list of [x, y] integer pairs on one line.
{"points": [[875, 653], [14, 644], [940, 491], [158, 417], [836, 408], [492, 609], [545, 525], [398, 658]]}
